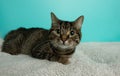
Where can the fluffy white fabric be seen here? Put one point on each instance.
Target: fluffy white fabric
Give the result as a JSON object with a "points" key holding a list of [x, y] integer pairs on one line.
{"points": [[90, 59]]}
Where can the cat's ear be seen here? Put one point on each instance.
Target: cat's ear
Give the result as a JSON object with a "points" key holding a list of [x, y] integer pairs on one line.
{"points": [[79, 22], [54, 18]]}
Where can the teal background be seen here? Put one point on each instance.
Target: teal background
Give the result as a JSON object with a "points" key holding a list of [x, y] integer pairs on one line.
{"points": [[101, 24]]}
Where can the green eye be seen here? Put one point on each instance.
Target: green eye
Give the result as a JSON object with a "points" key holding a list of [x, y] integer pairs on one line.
{"points": [[58, 31], [72, 33]]}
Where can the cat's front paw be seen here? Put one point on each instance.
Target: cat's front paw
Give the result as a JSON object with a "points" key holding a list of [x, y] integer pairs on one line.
{"points": [[64, 61]]}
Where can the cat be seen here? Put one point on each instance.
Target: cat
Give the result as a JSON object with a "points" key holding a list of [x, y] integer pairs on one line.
{"points": [[56, 44]]}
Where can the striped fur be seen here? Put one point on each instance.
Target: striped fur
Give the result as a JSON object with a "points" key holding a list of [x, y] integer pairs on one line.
{"points": [[57, 44]]}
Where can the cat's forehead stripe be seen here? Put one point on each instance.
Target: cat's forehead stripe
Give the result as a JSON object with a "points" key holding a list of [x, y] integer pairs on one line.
{"points": [[65, 24]]}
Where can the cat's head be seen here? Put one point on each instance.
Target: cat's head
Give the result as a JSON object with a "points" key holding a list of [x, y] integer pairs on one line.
{"points": [[65, 34]]}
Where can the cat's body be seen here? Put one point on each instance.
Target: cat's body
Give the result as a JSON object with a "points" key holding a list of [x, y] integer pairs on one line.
{"points": [[56, 44], [23, 40]]}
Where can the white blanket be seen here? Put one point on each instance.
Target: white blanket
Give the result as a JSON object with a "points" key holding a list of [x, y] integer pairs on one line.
{"points": [[90, 59]]}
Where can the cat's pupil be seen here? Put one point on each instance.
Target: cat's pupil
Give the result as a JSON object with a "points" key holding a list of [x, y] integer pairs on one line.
{"points": [[58, 31], [72, 32]]}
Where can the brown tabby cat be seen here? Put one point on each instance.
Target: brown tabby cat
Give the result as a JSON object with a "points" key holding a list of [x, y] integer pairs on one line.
{"points": [[56, 44]]}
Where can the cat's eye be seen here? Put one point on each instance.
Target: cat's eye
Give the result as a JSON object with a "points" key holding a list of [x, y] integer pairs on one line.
{"points": [[58, 31], [72, 33]]}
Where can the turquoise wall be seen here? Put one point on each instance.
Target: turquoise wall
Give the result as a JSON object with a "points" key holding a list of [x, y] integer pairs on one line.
{"points": [[102, 17]]}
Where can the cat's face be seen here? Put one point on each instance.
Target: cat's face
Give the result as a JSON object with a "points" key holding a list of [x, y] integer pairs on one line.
{"points": [[64, 34]]}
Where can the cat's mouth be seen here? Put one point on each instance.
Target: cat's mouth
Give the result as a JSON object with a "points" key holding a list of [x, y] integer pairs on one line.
{"points": [[62, 46]]}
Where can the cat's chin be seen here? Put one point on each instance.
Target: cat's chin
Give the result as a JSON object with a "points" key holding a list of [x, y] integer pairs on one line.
{"points": [[64, 47]]}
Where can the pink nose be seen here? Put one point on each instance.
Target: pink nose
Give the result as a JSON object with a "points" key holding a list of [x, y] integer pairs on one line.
{"points": [[64, 38]]}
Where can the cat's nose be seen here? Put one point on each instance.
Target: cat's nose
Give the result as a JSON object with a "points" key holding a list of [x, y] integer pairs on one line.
{"points": [[64, 38]]}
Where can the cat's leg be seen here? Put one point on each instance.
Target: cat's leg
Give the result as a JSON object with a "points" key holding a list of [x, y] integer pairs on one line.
{"points": [[38, 54], [41, 54], [64, 60], [50, 56], [13, 46]]}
